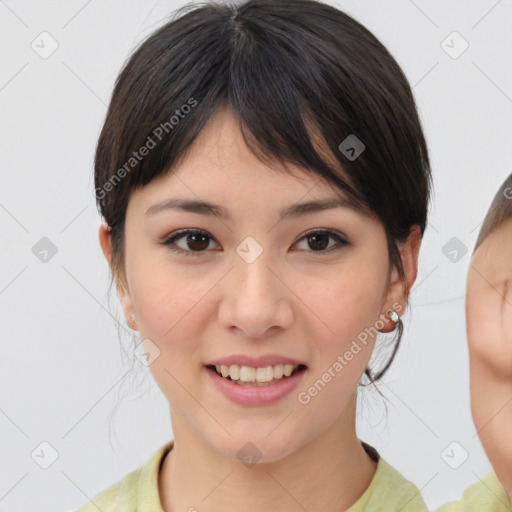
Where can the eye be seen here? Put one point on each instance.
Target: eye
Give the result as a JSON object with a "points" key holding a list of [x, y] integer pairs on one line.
{"points": [[319, 239], [195, 238], [198, 240]]}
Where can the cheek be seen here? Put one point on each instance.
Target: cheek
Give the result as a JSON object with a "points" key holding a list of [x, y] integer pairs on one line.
{"points": [[345, 322], [344, 342], [171, 312], [350, 302], [165, 296]]}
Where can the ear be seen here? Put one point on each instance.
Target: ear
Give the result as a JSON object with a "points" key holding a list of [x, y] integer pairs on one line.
{"points": [[122, 289], [396, 298]]}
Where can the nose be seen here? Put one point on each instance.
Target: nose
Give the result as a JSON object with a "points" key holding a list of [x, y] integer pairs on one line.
{"points": [[255, 299]]}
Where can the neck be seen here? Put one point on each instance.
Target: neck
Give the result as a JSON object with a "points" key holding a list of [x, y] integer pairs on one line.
{"points": [[327, 474]]}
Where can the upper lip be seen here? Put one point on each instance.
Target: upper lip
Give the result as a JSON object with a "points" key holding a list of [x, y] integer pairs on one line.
{"points": [[255, 362]]}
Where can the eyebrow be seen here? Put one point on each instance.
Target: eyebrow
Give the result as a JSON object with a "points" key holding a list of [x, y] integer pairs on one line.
{"points": [[207, 208]]}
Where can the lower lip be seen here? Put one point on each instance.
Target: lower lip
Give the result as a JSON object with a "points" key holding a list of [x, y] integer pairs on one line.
{"points": [[256, 395]]}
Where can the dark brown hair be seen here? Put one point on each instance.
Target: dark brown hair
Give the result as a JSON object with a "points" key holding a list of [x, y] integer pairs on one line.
{"points": [[301, 77], [499, 211]]}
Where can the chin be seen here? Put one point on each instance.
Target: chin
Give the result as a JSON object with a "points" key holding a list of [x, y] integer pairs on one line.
{"points": [[255, 448]]}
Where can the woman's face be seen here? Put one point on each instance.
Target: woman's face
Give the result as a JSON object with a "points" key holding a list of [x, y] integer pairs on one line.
{"points": [[254, 285]]}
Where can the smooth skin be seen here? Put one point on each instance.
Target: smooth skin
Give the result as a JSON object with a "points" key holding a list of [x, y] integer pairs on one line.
{"points": [[489, 333], [293, 300]]}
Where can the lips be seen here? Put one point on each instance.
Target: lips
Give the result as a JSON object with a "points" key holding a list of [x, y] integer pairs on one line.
{"points": [[255, 394]]}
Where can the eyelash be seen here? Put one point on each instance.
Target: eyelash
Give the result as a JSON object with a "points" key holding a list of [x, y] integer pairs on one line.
{"points": [[181, 234]]}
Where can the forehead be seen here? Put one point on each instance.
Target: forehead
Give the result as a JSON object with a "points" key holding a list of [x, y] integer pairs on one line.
{"points": [[220, 164], [221, 148]]}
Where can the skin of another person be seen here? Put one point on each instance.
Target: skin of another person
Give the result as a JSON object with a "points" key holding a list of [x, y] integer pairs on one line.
{"points": [[489, 333], [293, 300]]}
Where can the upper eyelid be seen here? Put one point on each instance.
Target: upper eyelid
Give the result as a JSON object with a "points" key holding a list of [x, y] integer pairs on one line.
{"points": [[180, 233]]}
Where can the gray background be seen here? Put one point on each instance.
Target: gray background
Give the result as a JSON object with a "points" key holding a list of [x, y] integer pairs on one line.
{"points": [[62, 369]]}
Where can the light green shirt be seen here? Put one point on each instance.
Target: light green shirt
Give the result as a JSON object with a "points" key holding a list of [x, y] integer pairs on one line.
{"points": [[388, 491]]}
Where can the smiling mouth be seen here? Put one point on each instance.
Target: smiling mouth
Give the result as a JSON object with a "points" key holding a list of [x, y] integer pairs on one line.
{"points": [[247, 376]]}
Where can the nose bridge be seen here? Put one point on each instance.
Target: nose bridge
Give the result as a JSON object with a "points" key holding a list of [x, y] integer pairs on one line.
{"points": [[253, 296], [253, 274]]}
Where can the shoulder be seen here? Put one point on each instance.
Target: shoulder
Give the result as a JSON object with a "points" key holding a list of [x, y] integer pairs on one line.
{"points": [[140, 485], [393, 487], [487, 494], [113, 498], [388, 488]]}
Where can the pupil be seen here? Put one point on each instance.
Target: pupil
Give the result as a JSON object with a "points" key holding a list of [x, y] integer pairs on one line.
{"points": [[318, 241], [194, 238], [316, 238]]}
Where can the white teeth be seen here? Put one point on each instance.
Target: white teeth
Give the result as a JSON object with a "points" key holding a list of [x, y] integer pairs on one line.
{"points": [[250, 374], [264, 374], [234, 372], [278, 371], [288, 369], [247, 374]]}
